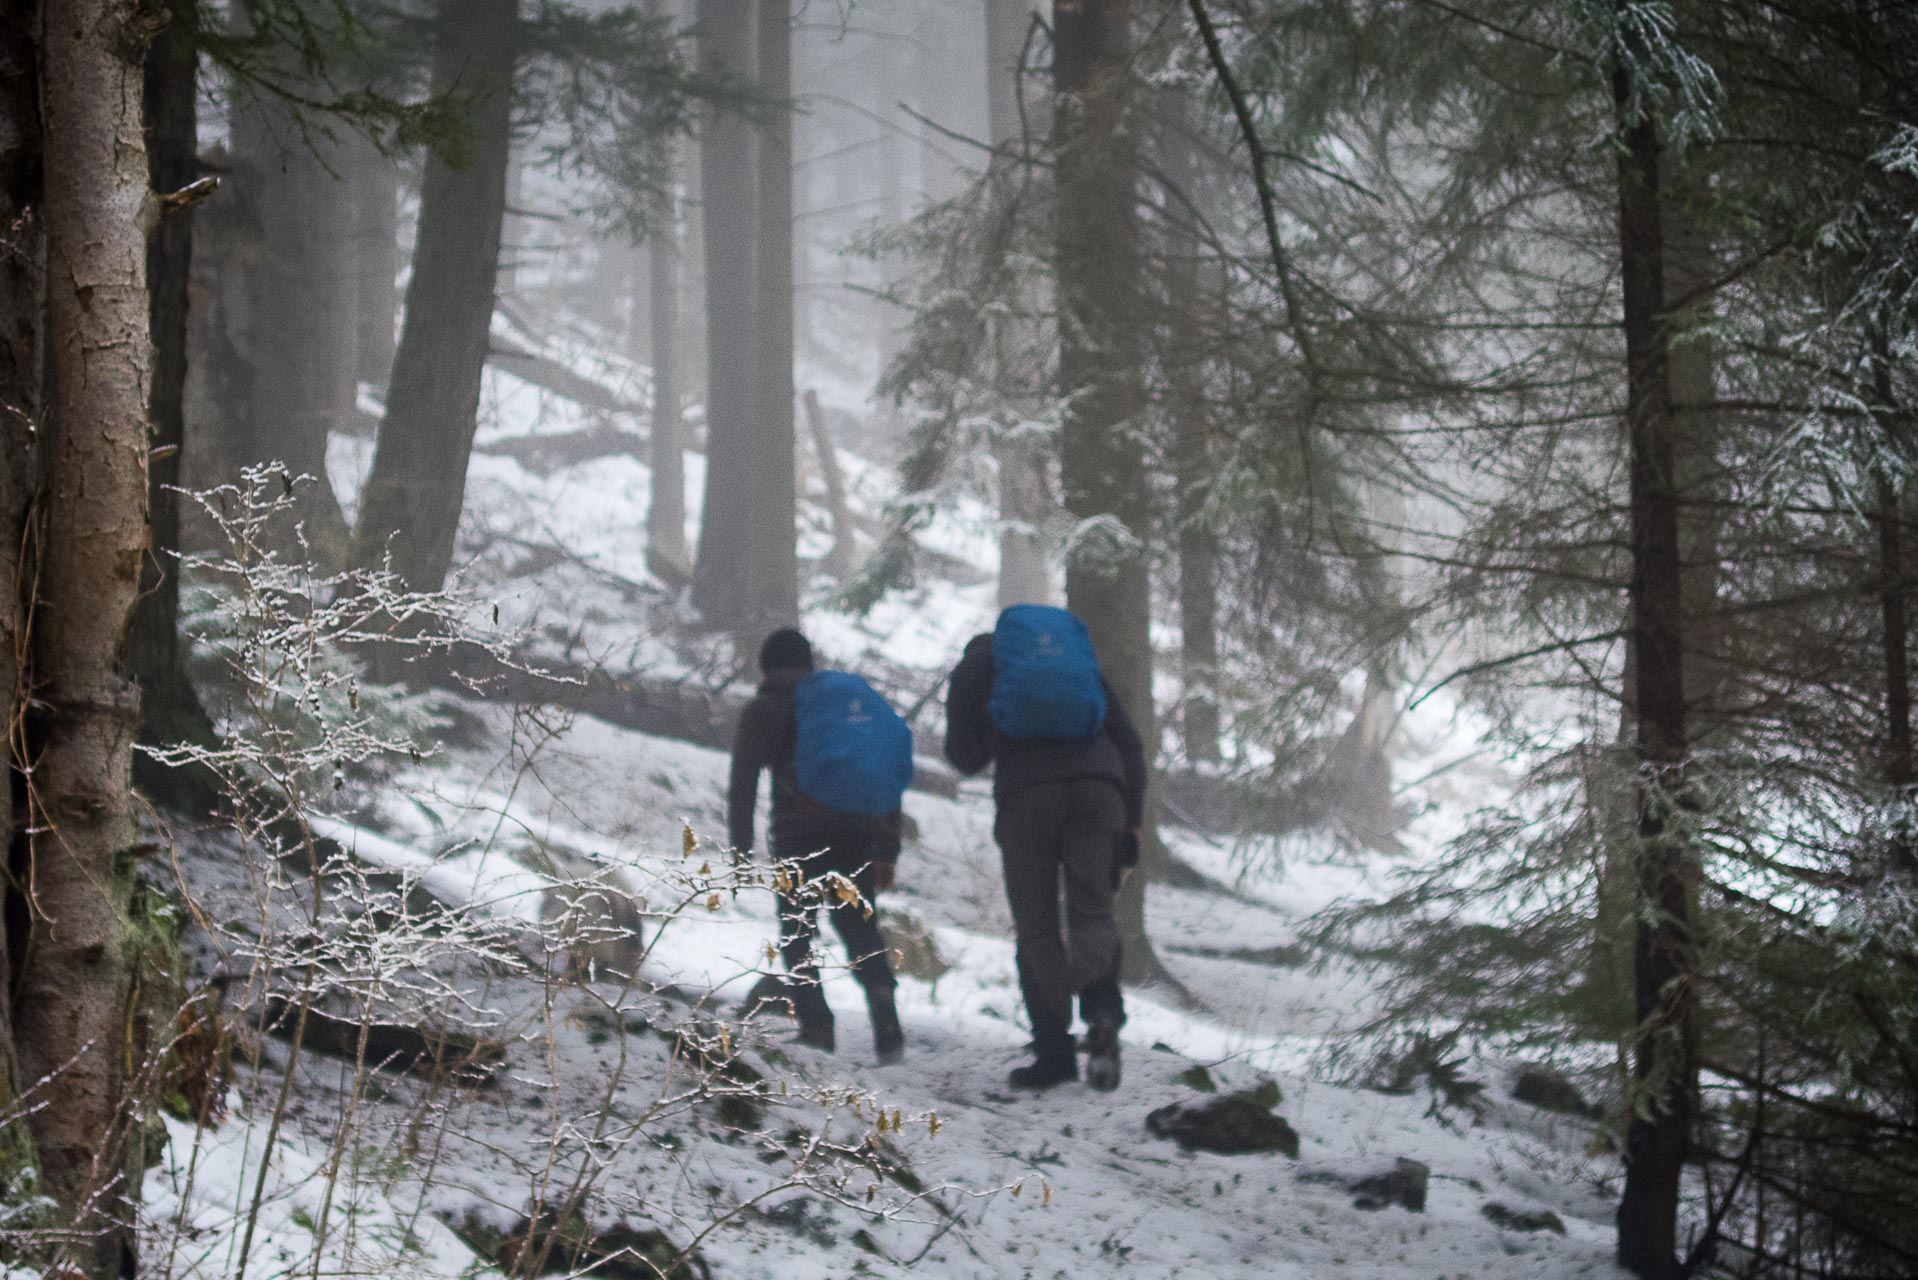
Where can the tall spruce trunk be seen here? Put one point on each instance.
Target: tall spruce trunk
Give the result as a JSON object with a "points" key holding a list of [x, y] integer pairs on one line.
{"points": [[414, 494], [1102, 460], [22, 301], [305, 368], [1693, 365], [666, 513], [75, 995], [1894, 594], [1024, 506], [1188, 313], [1658, 1134], [170, 710], [773, 593], [374, 182], [727, 178], [1198, 549]]}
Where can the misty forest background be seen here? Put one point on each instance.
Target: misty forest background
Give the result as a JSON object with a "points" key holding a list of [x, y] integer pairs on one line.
{"points": [[1556, 358]]}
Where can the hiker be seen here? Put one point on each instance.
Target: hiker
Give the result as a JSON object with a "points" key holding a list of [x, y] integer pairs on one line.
{"points": [[840, 760], [1069, 778]]}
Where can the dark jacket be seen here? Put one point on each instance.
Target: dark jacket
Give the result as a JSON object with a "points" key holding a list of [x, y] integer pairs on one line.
{"points": [[765, 740], [1115, 752]]}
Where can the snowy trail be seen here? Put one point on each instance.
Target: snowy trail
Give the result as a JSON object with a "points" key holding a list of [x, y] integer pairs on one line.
{"points": [[1120, 1200], [1097, 1193]]}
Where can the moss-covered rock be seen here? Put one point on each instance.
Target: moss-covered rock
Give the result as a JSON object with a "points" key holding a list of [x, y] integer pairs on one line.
{"points": [[1231, 1123], [1404, 1185], [1523, 1220]]}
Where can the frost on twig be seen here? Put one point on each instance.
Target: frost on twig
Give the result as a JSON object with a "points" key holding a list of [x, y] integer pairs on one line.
{"points": [[465, 1030]]}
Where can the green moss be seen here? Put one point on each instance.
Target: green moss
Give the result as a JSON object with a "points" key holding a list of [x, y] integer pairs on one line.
{"points": [[1198, 1078]]}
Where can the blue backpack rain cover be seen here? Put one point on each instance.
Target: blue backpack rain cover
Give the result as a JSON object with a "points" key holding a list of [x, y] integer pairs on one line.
{"points": [[853, 753], [1045, 676]]}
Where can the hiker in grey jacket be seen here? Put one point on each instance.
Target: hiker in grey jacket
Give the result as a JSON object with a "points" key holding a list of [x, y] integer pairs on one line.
{"points": [[819, 841], [1068, 810]]}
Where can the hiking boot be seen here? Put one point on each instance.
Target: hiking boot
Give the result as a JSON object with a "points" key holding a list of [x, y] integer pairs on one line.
{"points": [[814, 1014], [1053, 1063], [888, 1037], [1102, 1056]]}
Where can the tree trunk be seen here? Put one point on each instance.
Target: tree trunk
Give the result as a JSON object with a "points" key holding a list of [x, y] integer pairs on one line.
{"points": [[1108, 576], [170, 710], [1199, 723], [305, 370], [1186, 328], [774, 593], [1024, 506], [845, 546], [666, 515], [1894, 594], [374, 179], [722, 576], [22, 301], [891, 80], [227, 249], [76, 993], [1658, 1135], [414, 494]]}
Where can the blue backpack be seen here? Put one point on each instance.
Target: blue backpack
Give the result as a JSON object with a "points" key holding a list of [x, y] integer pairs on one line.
{"points": [[853, 754], [1045, 676]]}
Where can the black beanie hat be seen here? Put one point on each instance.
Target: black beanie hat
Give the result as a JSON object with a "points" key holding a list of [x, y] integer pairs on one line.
{"points": [[785, 648]]}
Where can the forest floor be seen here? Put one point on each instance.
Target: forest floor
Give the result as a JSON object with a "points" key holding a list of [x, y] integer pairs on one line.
{"points": [[809, 1165]]}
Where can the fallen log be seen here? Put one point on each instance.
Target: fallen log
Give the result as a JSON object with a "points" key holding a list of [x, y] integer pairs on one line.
{"points": [[550, 375], [432, 1051], [664, 708], [544, 453]]}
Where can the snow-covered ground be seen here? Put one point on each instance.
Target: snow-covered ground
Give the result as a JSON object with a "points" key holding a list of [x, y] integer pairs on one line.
{"points": [[1098, 1190], [836, 1166]]}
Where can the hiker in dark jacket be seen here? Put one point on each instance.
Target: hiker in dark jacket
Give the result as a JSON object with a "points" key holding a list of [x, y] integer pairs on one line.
{"points": [[820, 841], [1070, 809]]}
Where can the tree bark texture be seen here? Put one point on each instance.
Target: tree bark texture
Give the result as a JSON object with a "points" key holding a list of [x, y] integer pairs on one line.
{"points": [[774, 592], [22, 299], [1658, 1134], [170, 711], [76, 995], [728, 179], [1108, 576], [1025, 506], [305, 369], [414, 494]]}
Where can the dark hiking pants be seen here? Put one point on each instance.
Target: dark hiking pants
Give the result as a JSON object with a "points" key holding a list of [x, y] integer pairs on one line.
{"points": [[1048, 833], [820, 854]]}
